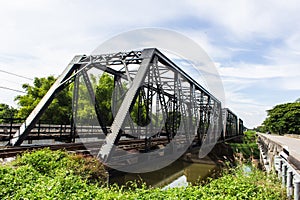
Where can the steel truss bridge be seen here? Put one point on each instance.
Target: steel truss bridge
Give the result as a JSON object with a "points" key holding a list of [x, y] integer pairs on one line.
{"points": [[152, 99]]}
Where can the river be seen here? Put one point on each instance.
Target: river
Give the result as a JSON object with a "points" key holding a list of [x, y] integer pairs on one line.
{"points": [[179, 173]]}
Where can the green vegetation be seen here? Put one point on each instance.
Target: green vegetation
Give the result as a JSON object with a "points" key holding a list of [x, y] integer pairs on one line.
{"points": [[6, 112], [104, 91], [244, 183], [59, 111], [248, 148], [283, 119], [46, 174]]}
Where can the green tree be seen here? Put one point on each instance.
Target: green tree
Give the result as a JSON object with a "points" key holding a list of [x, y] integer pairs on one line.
{"points": [[261, 129], [6, 112], [104, 95], [173, 122], [58, 112], [284, 119], [103, 87], [85, 110], [104, 91]]}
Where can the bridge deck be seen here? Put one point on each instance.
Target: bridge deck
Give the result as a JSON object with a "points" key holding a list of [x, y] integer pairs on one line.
{"points": [[292, 144]]}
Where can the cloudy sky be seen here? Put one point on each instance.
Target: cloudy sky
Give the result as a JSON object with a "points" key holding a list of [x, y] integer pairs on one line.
{"points": [[255, 44]]}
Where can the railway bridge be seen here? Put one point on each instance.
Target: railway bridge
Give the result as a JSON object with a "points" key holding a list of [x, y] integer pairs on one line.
{"points": [[153, 103]]}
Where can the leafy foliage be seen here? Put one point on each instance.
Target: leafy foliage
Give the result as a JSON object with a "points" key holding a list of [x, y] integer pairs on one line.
{"points": [[242, 183], [249, 148], [58, 112], [104, 91], [139, 112], [85, 110], [284, 119], [46, 174], [47, 162], [6, 111], [173, 122]]}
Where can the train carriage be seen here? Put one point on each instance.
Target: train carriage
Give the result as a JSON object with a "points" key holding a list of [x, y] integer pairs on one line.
{"points": [[231, 124]]}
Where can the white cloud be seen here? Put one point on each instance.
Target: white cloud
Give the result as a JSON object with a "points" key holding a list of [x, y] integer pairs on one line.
{"points": [[258, 71], [39, 38], [250, 19], [292, 83], [207, 42]]}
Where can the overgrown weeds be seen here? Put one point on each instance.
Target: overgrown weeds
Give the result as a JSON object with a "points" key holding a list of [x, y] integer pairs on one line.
{"points": [[47, 174], [248, 150]]}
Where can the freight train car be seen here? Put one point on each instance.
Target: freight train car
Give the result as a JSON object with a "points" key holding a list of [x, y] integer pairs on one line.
{"points": [[232, 125], [241, 127]]}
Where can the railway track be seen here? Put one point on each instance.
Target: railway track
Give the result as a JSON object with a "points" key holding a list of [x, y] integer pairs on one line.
{"points": [[127, 145], [6, 152]]}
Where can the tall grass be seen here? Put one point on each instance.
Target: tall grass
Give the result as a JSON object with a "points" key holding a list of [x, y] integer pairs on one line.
{"points": [[249, 148]]}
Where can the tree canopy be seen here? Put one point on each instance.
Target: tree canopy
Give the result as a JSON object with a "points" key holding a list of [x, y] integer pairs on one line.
{"points": [[58, 112], [283, 119], [104, 90], [6, 112]]}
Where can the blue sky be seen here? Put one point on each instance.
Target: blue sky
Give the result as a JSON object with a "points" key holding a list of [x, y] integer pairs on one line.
{"points": [[254, 44]]}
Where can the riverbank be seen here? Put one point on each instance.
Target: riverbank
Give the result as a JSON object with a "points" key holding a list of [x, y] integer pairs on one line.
{"points": [[46, 174], [57, 175], [220, 155]]}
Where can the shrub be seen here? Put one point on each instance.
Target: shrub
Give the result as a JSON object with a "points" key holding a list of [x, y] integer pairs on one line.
{"points": [[46, 174]]}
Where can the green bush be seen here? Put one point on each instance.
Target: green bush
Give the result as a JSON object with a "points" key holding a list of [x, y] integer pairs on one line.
{"points": [[46, 174], [249, 148], [44, 161], [245, 182]]}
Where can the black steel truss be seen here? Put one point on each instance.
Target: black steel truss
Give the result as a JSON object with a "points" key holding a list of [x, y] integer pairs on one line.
{"points": [[169, 102]]}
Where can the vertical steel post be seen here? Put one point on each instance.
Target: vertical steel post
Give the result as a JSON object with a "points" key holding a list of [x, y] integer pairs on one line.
{"points": [[39, 128], [297, 189], [60, 131], [74, 108], [283, 175], [280, 169], [10, 127], [289, 184]]}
